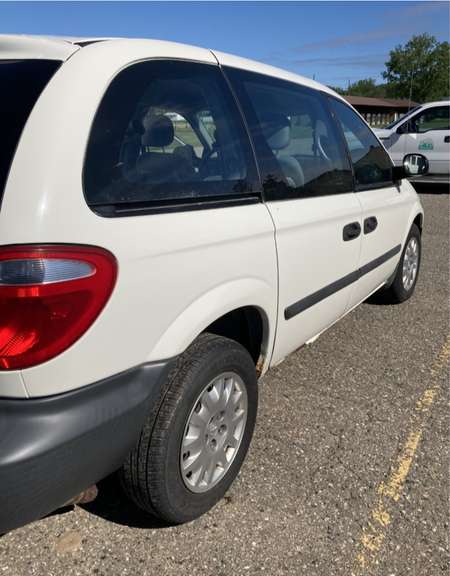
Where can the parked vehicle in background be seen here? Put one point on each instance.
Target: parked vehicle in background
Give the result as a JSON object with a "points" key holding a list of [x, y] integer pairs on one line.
{"points": [[425, 131], [173, 222]]}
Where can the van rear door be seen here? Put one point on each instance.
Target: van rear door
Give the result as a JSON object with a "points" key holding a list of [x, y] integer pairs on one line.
{"points": [[308, 189]]}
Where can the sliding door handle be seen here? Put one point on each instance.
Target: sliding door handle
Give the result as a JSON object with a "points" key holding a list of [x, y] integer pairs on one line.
{"points": [[447, 139], [351, 231], [370, 224]]}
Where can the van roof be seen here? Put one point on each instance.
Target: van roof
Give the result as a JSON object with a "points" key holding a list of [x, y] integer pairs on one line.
{"points": [[14, 46], [24, 46]]}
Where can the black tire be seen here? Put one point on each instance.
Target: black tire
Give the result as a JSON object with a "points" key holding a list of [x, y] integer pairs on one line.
{"points": [[151, 475], [397, 293]]}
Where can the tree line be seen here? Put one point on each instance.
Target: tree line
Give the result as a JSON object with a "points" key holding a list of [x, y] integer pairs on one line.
{"points": [[419, 70]]}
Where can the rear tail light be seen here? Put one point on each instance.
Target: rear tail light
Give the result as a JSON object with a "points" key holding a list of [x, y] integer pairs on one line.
{"points": [[49, 296]]}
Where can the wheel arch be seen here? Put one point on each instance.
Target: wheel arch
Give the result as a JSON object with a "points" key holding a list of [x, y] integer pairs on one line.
{"points": [[243, 310], [247, 325]]}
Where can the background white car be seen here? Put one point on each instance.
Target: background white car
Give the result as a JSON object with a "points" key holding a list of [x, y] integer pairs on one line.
{"points": [[424, 130]]}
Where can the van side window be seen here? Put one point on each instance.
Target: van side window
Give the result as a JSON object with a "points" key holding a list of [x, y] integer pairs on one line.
{"points": [[436, 118], [298, 147], [167, 132], [371, 163]]}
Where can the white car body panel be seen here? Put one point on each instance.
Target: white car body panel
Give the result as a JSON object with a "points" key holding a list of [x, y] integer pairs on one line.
{"points": [[309, 238], [178, 272], [391, 206]]}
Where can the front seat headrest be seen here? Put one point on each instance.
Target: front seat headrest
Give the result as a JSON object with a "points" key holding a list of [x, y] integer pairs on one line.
{"points": [[276, 129], [160, 133]]}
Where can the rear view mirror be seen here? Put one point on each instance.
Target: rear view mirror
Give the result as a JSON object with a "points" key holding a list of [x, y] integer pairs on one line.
{"points": [[415, 165]]}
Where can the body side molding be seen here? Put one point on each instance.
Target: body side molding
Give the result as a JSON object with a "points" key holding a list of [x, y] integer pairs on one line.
{"points": [[326, 291]]}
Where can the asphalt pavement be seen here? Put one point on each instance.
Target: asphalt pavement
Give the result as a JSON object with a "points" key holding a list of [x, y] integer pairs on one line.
{"points": [[348, 472]]}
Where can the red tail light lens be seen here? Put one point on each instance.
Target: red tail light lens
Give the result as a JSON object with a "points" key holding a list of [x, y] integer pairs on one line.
{"points": [[49, 296]]}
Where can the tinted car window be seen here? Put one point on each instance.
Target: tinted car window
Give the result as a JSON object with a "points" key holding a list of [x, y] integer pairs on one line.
{"points": [[21, 82], [298, 146], [432, 119], [371, 163], [167, 131]]}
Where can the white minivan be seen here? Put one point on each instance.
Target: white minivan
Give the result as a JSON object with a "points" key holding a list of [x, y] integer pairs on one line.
{"points": [[173, 222], [424, 131]]}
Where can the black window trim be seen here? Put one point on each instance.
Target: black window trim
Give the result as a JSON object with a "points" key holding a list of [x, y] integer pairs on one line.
{"points": [[361, 187], [304, 196], [338, 126], [223, 69], [118, 209]]}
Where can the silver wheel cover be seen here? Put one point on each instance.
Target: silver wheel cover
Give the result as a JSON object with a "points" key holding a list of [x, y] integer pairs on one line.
{"points": [[213, 432], [410, 263]]}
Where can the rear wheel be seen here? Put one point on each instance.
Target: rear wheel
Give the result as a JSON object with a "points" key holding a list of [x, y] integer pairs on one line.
{"points": [[407, 272], [190, 453]]}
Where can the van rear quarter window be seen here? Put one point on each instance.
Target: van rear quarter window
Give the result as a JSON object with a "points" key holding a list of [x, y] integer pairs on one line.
{"points": [[21, 83], [167, 132]]}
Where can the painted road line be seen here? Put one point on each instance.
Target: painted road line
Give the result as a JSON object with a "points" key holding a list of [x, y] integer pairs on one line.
{"points": [[390, 491]]}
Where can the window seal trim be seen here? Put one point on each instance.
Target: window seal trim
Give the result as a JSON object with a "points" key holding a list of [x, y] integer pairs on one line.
{"points": [[119, 210], [341, 134]]}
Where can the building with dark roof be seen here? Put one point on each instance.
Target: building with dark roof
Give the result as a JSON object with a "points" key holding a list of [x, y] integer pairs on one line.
{"points": [[380, 111]]}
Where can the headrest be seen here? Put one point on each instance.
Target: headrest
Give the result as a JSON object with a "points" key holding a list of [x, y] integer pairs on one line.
{"points": [[276, 129], [160, 133]]}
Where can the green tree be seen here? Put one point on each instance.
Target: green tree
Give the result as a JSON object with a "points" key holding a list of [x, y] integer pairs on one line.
{"points": [[338, 90], [420, 67], [366, 87]]}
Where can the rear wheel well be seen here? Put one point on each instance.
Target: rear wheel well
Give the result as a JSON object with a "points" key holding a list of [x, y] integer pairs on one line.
{"points": [[244, 325]]}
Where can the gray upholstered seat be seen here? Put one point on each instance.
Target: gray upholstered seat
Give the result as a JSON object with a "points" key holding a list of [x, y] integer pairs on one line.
{"points": [[277, 131]]}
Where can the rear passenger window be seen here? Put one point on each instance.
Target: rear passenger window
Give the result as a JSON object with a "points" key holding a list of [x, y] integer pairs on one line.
{"points": [[167, 132], [299, 148], [371, 162]]}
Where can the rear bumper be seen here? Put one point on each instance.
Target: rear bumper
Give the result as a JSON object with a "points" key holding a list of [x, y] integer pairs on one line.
{"points": [[52, 448]]}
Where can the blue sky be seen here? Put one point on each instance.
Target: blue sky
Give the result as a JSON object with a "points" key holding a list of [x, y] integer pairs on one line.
{"points": [[337, 42]]}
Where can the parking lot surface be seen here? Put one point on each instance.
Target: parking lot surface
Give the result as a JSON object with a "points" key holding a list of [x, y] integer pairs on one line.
{"points": [[347, 473]]}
